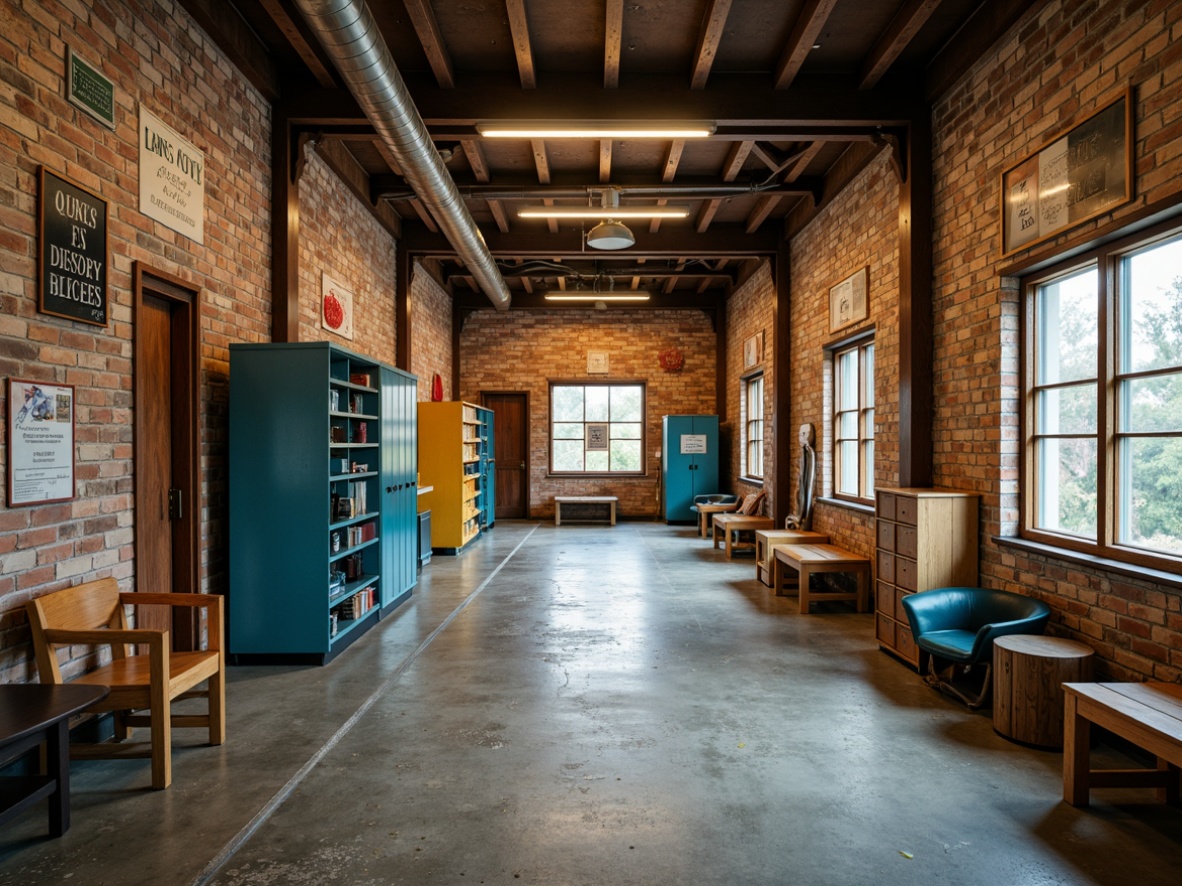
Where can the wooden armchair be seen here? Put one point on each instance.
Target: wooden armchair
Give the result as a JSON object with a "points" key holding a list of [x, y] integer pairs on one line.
{"points": [[92, 614]]}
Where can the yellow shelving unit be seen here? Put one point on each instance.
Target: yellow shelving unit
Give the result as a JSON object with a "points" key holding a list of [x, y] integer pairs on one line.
{"points": [[449, 461]]}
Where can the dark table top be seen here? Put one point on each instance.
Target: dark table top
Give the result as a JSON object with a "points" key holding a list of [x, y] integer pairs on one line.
{"points": [[26, 708]]}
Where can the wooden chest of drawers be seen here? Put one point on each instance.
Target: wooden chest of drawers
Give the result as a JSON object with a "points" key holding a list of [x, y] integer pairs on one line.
{"points": [[925, 538]]}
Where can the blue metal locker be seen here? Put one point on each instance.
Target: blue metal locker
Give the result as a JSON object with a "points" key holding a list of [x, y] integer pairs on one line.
{"points": [[689, 463]]}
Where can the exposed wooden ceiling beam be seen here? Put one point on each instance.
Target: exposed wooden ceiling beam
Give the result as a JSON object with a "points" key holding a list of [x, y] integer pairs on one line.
{"points": [[681, 300], [713, 26], [304, 44], [613, 39], [901, 31], [738, 103], [761, 211], [730, 171], [605, 161], [542, 165], [672, 161], [479, 166], [425, 216], [725, 241], [800, 163], [519, 27], [422, 17], [800, 43]]}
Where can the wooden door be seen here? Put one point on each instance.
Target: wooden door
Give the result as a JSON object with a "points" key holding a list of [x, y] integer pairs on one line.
{"points": [[511, 451], [165, 375]]}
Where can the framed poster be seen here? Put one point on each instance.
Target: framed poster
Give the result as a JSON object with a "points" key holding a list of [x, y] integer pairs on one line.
{"points": [[752, 350], [336, 307], [72, 250], [40, 442], [597, 363], [848, 302], [1084, 173], [693, 444], [596, 437]]}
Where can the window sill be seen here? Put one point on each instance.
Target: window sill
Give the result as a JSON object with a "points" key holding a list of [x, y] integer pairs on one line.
{"points": [[752, 481], [848, 505], [1119, 567], [592, 475]]}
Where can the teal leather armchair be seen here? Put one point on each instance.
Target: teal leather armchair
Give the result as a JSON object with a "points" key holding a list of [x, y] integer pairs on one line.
{"points": [[956, 628]]}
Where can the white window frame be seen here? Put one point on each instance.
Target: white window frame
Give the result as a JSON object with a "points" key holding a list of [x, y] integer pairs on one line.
{"points": [[862, 412], [753, 426]]}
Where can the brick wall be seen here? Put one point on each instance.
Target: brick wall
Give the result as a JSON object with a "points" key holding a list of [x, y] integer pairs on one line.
{"points": [[749, 313], [341, 238], [858, 229], [522, 351], [430, 350], [1050, 70], [154, 54]]}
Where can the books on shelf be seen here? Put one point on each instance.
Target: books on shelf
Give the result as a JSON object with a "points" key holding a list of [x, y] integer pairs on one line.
{"points": [[357, 605], [361, 378]]}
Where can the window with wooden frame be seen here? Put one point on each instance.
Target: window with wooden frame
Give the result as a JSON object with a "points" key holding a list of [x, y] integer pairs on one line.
{"points": [[597, 427], [853, 419], [753, 412], [1103, 407]]}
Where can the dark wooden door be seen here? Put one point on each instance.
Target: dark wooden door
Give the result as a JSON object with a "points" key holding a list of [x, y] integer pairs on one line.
{"points": [[165, 444], [511, 450]]}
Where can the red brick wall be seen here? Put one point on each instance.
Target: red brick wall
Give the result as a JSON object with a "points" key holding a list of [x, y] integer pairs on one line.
{"points": [[522, 351], [858, 229], [1052, 69], [430, 350], [341, 238], [749, 313], [154, 54]]}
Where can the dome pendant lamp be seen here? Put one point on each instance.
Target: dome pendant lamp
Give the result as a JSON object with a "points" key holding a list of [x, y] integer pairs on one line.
{"points": [[609, 233]]}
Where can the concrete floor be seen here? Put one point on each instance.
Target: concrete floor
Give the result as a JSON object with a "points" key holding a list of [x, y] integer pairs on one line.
{"points": [[595, 705]]}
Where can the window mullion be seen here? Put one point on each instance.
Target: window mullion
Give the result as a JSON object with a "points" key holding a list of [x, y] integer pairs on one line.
{"points": [[1108, 474]]}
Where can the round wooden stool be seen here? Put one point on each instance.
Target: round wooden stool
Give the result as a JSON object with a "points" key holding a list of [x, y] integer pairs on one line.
{"points": [[1028, 676]]}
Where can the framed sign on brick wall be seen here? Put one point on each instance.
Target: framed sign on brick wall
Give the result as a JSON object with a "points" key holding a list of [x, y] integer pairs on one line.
{"points": [[1084, 173]]}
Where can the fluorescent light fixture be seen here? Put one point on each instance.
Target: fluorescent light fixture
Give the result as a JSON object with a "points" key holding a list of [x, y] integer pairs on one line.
{"points": [[601, 296], [603, 212], [550, 129]]}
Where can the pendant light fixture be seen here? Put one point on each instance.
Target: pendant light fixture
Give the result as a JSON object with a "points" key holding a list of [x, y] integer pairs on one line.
{"points": [[610, 233]]}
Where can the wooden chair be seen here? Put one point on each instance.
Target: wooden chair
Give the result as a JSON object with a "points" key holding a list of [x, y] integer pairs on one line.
{"points": [[93, 614]]}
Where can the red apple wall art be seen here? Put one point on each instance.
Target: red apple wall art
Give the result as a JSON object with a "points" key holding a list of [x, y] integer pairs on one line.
{"points": [[336, 307]]}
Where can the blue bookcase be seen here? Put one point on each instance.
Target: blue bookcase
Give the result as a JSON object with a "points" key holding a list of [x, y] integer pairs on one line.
{"points": [[323, 515], [488, 467], [689, 463]]}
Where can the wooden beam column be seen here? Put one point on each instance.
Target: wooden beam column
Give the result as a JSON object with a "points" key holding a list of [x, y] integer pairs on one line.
{"points": [[286, 166], [915, 306], [403, 270], [783, 436]]}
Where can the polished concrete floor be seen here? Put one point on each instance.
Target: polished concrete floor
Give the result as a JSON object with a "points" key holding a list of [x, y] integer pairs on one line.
{"points": [[595, 705]]}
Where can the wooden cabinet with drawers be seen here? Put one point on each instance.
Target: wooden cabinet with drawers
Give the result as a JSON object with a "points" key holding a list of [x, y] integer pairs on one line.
{"points": [[925, 538]]}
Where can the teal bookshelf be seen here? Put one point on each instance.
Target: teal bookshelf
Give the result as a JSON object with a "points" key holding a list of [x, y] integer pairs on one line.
{"points": [[323, 516]]}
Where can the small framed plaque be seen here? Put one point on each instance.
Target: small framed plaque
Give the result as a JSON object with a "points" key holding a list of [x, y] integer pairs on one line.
{"points": [[40, 442]]}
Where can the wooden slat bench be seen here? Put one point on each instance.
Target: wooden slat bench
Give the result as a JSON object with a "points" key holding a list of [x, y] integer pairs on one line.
{"points": [[1147, 714], [728, 527], [609, 500], [803, 561]]}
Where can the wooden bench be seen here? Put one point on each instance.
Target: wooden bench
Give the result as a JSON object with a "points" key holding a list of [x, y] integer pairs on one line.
{"points": [[1147, 714], [730, 525], [609, 500], [766, 539], [803, 561], [706, 513], [93, 614]]}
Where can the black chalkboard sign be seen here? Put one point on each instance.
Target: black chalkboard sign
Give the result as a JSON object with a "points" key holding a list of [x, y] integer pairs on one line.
{"points": [[73, 250]]}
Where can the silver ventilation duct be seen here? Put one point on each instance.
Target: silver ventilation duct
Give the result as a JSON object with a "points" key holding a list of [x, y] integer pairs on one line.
{"points": [[350, 36]]}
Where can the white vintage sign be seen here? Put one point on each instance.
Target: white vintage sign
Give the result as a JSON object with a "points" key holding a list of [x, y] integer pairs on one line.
{"points": [[172, 178]]}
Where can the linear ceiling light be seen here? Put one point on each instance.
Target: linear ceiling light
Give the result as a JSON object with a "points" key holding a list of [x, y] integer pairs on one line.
{"points": [[602, 296], [550, 129], [603, 212]]}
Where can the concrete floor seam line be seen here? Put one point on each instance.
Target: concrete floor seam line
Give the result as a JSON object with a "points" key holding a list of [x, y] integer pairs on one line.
{"points": [[269, 808]]}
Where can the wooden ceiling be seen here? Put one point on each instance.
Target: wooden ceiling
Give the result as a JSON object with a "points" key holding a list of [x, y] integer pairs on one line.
{"points": [[802, 94]]}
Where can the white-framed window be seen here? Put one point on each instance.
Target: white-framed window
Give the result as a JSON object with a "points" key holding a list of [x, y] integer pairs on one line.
{"points": [[753, 412], [853, 420], [597, 427], [1103, 416]]}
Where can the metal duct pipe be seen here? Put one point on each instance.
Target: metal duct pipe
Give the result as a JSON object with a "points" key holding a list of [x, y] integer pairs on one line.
{"points": [[350, 36]]}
